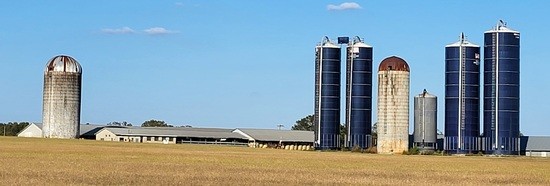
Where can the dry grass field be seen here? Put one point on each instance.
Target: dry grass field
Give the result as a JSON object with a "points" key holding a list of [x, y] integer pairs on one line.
{"points": [[26, 161]]}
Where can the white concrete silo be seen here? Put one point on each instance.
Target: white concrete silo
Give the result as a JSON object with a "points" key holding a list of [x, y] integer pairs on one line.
{"points": [[393, 106], [62, 98]]}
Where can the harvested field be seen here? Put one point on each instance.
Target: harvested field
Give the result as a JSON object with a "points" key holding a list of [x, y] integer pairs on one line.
{"points": [[31, 161]]}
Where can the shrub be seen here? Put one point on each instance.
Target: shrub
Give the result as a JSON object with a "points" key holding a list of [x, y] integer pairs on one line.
{"points": [[441, 153], [413, 151], [356, 148], [428, 152], [371, 150], [480, 153]]}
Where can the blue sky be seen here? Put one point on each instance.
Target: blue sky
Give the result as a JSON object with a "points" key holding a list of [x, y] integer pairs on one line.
{"points": [[243, 63]]}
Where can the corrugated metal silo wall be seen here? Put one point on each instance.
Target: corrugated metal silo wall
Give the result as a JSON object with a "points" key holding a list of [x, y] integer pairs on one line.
{"points": [[359, 96], [393, 111], [61, 104], [469, 120], [425, 120], [327, 97], [501, 87]]}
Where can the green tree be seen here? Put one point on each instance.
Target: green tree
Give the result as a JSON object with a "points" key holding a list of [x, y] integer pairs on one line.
{"points": [[12, 128], [374, 131], [155, 123], [122, 124], [305, 123], [343, 134]]}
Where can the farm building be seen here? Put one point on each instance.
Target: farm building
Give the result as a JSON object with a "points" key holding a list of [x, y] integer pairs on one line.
{"points": [[171, 135], [287, 139], [175, 135], [538, 146], [87, 131], [33, 130]]}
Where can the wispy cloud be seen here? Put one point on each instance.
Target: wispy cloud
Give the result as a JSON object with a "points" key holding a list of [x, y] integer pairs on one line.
{"points": [[344, 6], [149, 31], [159, 31], [181, 5], [123, 30]]}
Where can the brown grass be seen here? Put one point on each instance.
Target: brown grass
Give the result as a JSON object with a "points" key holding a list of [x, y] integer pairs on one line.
{"points": [[26, 161]]}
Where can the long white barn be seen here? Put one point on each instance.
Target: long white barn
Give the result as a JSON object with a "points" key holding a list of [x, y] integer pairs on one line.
{"points": [[261, 138]]}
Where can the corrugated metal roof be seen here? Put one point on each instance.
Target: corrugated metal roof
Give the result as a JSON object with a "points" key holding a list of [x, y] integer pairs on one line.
{"points": [[189, 129], [462, 41], [537, 143], [501, 29], [360, 44], [279, 135], [425, 94], [85, 129], [177, 132], [327, 44]]}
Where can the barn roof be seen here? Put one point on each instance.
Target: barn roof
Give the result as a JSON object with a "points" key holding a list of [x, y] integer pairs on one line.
{"points": [[85, 129], [277, 135], [537, 143], [216, 133]]}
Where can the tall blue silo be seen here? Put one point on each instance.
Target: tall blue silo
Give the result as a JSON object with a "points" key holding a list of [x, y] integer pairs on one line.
{"points": [[327, 95], [462, 97], [501, 91], [359, 94]]}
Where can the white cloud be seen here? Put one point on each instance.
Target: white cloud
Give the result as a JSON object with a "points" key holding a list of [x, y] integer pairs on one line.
{"points": [[123, 30], [159, 31], [344, 6], [180, 5]]}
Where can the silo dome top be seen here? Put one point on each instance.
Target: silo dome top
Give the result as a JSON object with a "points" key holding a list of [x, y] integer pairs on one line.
{"points": [[393, 63], [63, 63]]}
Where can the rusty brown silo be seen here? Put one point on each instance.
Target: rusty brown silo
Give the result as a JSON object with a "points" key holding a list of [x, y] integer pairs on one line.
{"points": [[393, 106], [62, 98]]}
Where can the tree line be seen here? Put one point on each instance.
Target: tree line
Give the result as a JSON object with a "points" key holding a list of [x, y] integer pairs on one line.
{"points": [[12, 128], [306, 123], [148, 123]]}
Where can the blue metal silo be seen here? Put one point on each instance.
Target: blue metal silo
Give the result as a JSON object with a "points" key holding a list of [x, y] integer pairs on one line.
{"points": [[359, 94], [462, 96], [327, 95], [501, 91]]}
